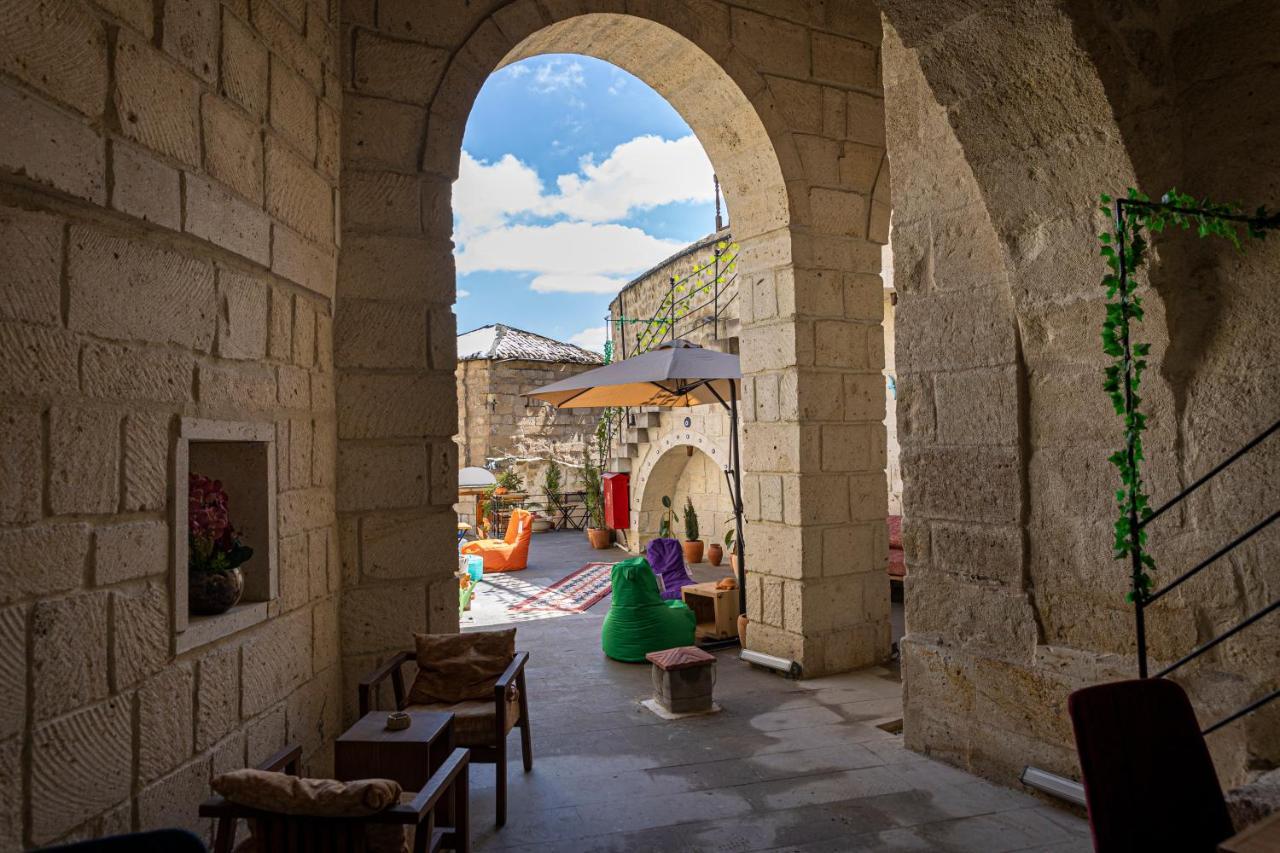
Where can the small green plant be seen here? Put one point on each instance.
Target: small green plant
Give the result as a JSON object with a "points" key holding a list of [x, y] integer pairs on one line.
{"points": [[690, 521], [728, 538], [1125, 252], [551, 484], [594, 492], [510, 481], [669, 517]]}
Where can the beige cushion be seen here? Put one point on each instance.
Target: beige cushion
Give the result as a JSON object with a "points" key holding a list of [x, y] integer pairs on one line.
{"points": [[283, 794], [473, 722], [457, 667]]}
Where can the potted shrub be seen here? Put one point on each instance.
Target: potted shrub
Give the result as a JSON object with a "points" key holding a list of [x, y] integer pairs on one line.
{"points": [[538, 523], [597, 533], [551, 486], [692, 544], [215, 552]]}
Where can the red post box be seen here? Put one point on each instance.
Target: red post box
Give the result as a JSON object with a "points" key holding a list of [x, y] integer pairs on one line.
{"points": [[617, 501]]}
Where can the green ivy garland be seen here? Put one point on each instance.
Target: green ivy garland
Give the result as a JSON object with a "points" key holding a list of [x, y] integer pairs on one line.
{"points": [[1125, 251]]}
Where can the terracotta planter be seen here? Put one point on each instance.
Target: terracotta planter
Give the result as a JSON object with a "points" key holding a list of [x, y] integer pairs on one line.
{"points": [[733, 563], [599, 537], [211, 593], [742, 630], [715, 553], [692, 551]]}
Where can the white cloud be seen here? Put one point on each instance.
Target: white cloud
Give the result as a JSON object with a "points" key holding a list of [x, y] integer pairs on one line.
{"points": [[592, 339], [463, 294], [487, 194], [564, 248], [579, 246], [557, 74], [516, 70], [576, 283], [641, 174]]}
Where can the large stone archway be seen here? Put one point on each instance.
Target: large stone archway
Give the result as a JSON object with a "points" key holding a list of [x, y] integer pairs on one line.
{"points": [[666, 472], [791, 117]]}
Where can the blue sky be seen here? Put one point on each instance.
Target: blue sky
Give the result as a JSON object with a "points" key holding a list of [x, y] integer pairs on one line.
{"points": [[575, 176]]}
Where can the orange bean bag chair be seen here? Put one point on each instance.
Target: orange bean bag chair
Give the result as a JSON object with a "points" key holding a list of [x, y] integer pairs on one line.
{"points": [[510, 554]]}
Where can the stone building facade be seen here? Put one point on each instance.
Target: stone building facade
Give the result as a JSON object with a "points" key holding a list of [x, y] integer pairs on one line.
{"points": [[654, 447], [238, 212], [499, 426]]}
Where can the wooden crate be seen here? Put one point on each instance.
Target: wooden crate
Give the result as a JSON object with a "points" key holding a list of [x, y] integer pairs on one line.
{"points": [[716, 610]]}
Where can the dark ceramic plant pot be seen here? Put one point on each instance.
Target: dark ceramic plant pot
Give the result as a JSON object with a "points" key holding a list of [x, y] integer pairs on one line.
{"points": [[211, 593]]}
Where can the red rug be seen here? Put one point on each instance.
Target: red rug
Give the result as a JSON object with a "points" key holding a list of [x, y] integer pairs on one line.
{"points": [[573, 593]]}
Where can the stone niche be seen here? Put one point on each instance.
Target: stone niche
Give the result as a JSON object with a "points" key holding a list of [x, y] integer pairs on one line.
{"points": [[243, 457]]}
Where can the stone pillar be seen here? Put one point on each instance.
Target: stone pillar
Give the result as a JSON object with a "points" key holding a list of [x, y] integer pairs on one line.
{"points": [[394, 335], [814, 449]]}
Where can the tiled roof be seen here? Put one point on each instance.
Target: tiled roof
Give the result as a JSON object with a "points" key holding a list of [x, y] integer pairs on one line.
{"points": [[498, 342]]}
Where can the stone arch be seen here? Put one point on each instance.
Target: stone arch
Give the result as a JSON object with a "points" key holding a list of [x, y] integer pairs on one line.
{"points": [[666, 473], [796, 133], [744, 137]]}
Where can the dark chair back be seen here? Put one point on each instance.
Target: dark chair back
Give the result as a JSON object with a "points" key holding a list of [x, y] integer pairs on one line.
{"points": [[1148, 777]]}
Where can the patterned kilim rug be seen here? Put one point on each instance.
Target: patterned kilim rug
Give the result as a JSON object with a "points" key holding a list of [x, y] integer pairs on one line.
{"points": [[573, 593]]}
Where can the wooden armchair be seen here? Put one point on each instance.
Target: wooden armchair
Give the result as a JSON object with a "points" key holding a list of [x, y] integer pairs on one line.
{"points": [[445, 792], [481, 726]]}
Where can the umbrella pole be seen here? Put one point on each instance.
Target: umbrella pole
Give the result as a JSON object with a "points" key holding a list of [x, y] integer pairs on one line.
{"points": [[737, 497]]}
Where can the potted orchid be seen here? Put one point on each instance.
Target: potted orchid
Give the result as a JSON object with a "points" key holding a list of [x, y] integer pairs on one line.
{"points": [[215, 552]]}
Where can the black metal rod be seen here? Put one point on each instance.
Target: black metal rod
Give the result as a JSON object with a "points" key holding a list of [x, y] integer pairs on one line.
{"points": [[1262, 222], [672, 308], [1225, 549], [738, 544], [715, 284], [1195, 653], [1135, 539], [1247, 709], [622, 327], [1217, 469]]}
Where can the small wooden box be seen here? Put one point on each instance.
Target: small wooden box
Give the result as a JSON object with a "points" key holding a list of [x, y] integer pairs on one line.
{"points": [[715, 609]]}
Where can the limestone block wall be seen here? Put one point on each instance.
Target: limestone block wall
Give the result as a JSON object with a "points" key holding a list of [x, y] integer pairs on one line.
{"points": [[1013, 597], [167, 230], [641, 299], [496, 422]]}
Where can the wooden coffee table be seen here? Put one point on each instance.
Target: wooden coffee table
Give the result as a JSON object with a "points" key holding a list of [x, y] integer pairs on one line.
{"points": [[368, 750], [715, 609]]}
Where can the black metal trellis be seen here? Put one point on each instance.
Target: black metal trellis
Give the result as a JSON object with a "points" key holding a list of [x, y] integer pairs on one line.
{"points": [[1142, 597]]}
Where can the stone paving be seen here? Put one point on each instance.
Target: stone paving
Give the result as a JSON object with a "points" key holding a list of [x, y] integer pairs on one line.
{"points": [[787, 765]]}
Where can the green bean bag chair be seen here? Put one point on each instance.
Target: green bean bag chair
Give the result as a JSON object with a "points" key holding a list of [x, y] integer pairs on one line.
{"points": [[639, 621]]}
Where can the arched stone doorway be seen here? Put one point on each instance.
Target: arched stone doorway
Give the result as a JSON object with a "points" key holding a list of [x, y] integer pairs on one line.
{"points": [[811, 304], [684, 464]]}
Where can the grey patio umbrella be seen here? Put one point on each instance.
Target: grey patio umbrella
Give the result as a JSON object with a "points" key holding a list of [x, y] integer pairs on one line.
{"points": [[675, 375]]}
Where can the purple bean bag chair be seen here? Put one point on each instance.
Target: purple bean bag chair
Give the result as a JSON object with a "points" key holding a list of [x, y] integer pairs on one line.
{"points": [[667, 559]]}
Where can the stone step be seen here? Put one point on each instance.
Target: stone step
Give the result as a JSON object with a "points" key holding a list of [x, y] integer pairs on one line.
{"points": [[647, 420]]}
